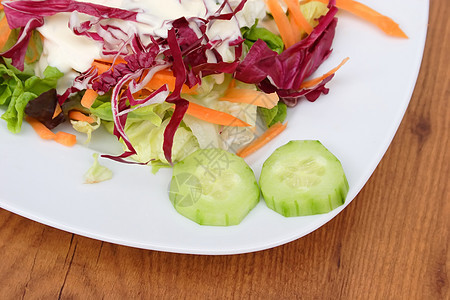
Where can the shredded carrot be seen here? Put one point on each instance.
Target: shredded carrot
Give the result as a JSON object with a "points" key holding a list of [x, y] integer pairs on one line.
{"points": [[40, 129], [251, 97], [58, 110], [383, 22], [282, 22], [79, 116], [214, 116], [313, 82], [89, 98], [4, 32], [298, 16], [266, 137], [166, 77], [66, 139], [101, 68], [119, 60], [296, 30], [158, 80], [61, 137], [103, 65]]}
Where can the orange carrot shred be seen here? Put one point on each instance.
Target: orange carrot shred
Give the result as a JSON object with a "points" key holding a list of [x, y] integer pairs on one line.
{"points": [[119, 60], [89, 98], [79, 116], [166, 77], [214, 116], [296, 30], [4, 32], [101, 68], [40, 129], [298, 16], [315, 81], [66, 139], [282, 22], [251, 97], [262, 140], [363, 11], [58, 110]]}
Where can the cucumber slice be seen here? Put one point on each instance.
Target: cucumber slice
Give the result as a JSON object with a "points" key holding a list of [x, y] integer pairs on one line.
{"points": [[213, 187], [303, 178]]}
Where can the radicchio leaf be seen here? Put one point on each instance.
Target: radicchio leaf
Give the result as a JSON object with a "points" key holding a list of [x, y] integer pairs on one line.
{"points": [[43, 107], [283, 73]]}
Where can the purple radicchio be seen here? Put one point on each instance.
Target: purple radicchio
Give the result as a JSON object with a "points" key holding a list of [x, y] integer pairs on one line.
{"points": [[284, 73], [184, 52]]}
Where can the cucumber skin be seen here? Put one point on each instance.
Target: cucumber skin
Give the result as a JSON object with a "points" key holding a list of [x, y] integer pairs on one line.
{"points": [[219, 212], [309, 206], [303, 204]]}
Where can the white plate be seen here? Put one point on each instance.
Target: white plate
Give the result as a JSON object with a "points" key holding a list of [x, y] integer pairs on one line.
{"points": [[368, 97]]}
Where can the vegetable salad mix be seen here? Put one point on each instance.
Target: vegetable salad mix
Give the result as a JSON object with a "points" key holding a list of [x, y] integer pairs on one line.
{"points": [[166, 79]]}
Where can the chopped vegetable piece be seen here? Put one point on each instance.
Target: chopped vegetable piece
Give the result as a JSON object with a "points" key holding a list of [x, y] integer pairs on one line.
{"points": [[251, 35], [79, 116], [97, 173], [361, 10], [282, 21], [296, 30], [89, 98], [303, 178], [58, 110], [316, 81], [101, 67], [166, 77], [266, 137], [40, 128], [4, 32], [213, 187], [66, 139], [253, 97], [214, 116], [298, 16], [274, 115]]}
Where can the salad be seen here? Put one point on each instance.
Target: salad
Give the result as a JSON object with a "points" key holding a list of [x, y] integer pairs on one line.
{"points": [[168, 79]]}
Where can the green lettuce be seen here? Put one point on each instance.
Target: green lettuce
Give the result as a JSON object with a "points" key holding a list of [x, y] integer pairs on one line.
{"points": [[153, 113], [271, 116], [147, 139], [313, 10], [97, 173], [251, 35], [18, 88], [145, 129]]}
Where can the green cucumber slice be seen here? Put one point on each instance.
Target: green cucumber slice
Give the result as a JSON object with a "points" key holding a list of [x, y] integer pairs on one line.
{"points": [[303, 178], [213, 187]]}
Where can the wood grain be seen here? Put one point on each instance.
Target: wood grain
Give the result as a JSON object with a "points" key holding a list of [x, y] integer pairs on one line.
{"points": [[390, 243]]}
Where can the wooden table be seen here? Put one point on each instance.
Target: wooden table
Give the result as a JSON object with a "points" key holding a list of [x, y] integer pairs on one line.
{"points": [[391, 242]]}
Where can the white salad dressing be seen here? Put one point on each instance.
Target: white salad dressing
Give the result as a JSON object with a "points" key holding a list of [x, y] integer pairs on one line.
{"points": [[71, 53]]}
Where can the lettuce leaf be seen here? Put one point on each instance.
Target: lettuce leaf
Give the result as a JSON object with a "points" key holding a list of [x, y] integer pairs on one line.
{"points": [[313, 11], [251, 35], [271, 116], [18, 88], [97, 173], [147, 139], [153, 113]]}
